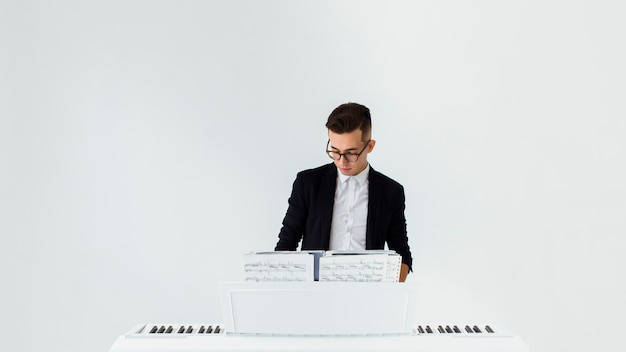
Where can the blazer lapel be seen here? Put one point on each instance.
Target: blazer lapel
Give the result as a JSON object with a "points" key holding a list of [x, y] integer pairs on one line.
{"points": [[327, 202], [373, 208]]}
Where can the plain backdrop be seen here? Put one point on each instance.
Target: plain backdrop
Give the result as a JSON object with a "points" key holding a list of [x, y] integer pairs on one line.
{"points": [[145, 145]]}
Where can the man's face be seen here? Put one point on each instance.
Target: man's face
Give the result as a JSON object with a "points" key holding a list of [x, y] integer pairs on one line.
{"points": [[350, 143]]}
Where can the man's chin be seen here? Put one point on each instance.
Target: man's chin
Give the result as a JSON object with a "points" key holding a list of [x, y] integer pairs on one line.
{"points": [[347, 172]]}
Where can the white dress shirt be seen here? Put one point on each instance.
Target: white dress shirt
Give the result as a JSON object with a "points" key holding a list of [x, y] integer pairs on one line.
{"points": [[349, 222]]}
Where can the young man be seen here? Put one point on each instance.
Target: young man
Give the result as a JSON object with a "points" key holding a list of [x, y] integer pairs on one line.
{"points": [[347, 204]]}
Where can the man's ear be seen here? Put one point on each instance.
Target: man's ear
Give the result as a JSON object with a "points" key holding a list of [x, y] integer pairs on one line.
{"points": [[372, 143]]}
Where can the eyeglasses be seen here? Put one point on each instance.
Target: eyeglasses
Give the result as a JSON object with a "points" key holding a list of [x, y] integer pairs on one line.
{"points": [[351, 157]]}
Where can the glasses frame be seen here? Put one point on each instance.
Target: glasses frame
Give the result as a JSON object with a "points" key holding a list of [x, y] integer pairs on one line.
{"points": [[328, 151]]}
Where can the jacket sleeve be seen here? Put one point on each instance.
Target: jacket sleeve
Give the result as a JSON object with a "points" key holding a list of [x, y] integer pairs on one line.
{"points": [[397, 238], [295, 219]]}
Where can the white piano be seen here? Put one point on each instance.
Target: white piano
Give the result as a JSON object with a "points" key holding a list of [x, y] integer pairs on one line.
{"points": [[316, 316], [211, 337]]}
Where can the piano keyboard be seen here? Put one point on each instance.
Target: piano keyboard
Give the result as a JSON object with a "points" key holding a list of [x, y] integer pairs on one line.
{"points": [[212, 338], [165, 329], [202, 329]]}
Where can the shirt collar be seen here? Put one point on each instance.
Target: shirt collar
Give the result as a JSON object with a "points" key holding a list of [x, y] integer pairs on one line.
{"points": [[361, 177]]}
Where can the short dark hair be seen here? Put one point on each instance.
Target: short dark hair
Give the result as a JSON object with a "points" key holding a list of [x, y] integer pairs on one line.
{"points": [[350, 116]]}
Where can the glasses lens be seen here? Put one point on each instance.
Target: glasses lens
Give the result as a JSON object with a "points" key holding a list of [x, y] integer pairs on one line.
{"points": [[350, 157], [333, 155]]}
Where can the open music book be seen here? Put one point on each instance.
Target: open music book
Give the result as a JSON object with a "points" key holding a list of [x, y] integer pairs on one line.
{"points": [[343, 265]]}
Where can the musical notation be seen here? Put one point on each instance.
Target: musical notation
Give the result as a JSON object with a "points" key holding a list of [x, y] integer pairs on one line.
{"points": [[349, 266], [278, 266], [380, 267]]}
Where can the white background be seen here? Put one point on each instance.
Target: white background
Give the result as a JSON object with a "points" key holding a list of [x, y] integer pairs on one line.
{"points": [[144, 145]]}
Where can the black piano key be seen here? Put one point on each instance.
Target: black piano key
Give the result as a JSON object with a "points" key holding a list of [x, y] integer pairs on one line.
{"points": [[488, 328], [161, 329], [476, 329], [182, 329], [468, 329], [169, 330], [420, 329], [189, 329], [428, 329], [154, 329], [201, 331], [209, 329], [456, 329], [217, 329], [448, 329], [441, 330]]}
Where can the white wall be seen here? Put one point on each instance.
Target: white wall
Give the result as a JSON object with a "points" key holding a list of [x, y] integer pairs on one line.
{"points": [[144, 145]]}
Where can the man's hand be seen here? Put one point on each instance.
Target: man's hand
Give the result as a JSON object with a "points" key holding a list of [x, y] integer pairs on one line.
{"points": [[404, 272]]}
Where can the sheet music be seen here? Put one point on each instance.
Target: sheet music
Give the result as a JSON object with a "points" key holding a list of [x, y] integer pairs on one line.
{"points": [[278, 266], [394, 262], [360, 267]]}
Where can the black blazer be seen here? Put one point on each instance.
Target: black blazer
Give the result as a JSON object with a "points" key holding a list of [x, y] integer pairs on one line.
{"points": [[310, 213]]}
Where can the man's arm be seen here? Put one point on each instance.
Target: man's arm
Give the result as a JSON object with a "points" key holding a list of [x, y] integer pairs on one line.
{"points": [[294, 221], [397, 238]]}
